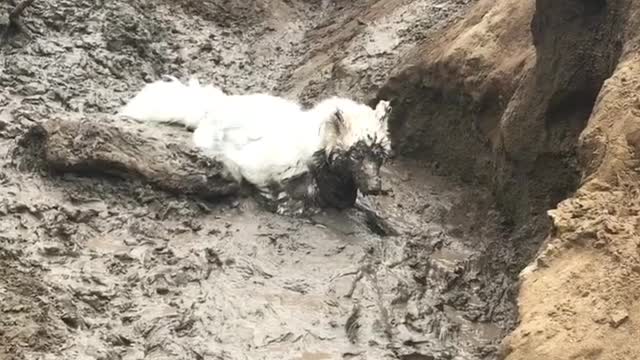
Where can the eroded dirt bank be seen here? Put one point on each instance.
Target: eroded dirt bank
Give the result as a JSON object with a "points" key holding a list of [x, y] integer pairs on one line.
{"points": [[538, 99], [97, 267]]}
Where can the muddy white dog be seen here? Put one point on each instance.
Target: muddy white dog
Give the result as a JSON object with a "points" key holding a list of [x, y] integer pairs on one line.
{"points": [[297, 158]]}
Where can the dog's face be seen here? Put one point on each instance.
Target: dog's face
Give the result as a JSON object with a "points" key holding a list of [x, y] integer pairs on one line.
{"points": [[363, 146]]}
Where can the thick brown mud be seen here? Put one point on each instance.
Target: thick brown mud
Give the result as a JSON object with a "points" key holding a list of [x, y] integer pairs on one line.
{"points": [[101, 268]]}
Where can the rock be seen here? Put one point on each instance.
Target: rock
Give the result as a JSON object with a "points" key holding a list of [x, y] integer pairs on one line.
{"points": [[52, 249], [618, 317]]}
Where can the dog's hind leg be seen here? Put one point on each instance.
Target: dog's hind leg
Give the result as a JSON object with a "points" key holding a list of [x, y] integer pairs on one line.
{"points": [[290, 198]]}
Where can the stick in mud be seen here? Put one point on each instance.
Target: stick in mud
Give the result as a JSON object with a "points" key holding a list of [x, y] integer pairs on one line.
{"points": [[376, 223]]}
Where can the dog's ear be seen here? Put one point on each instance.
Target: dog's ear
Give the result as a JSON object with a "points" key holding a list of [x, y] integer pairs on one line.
{"points": [[169, 78], [338, 122], [333, 128], [383, 109]]}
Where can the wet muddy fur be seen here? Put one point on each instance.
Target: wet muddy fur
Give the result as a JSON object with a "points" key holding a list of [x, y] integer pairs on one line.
{"points": [[326, 185], [331, 182], [335, 182]]}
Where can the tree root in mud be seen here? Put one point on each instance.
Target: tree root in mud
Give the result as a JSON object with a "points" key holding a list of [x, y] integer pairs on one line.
{"points": [[376, 223], [91, 146]]}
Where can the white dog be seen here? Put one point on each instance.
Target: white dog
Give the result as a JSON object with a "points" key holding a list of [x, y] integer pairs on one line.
{"points": [[319, 156]]}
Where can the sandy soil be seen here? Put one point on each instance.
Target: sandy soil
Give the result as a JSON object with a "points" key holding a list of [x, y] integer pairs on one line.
{"points": [[96, 267]]}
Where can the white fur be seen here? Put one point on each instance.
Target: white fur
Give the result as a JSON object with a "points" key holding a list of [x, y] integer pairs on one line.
{"points": [[260, 137], [269, 138], [172, 102], [361, 122]]}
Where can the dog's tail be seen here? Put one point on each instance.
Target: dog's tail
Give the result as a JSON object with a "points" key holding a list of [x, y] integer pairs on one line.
{"points": [[169, 101]]}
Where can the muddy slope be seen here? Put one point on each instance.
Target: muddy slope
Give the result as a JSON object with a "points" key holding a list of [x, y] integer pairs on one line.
{"points": [[96, 267], [538, 99]]}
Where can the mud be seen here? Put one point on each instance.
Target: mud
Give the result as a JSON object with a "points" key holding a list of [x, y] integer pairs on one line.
{"points": [[146, 275], [97, 267]]}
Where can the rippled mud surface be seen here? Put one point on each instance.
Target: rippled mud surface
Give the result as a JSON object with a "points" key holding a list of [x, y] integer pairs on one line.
{"points": [[95, 267], [98, 268]]}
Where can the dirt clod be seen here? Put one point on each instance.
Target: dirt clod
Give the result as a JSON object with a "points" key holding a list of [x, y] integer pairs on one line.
{"points": [[618, 317]]}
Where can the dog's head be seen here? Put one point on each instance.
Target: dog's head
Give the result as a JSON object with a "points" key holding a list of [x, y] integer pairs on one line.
{"points": [[361, 144]]}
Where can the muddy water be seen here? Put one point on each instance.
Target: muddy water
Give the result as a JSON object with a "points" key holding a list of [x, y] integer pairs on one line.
{"points": [[103, 269]]}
